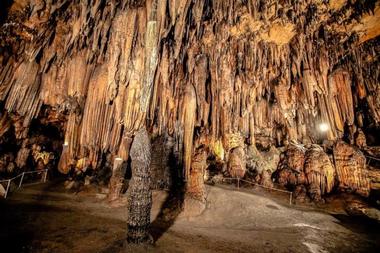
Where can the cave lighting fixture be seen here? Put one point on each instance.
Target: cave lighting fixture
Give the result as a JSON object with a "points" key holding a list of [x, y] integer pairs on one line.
{"points": [[324, 127]]}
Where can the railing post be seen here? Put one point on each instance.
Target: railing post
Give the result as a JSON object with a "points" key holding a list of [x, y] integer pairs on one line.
{"points": [[368, 160], [45, 176], [290, 198], [22, 178], [6, 191], [238, 183]]}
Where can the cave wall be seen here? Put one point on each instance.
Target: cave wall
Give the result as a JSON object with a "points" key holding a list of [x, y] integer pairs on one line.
{"points": [[223, 74]]}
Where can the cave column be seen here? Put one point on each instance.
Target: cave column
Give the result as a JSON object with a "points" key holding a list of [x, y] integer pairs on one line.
{"points": [[195, 185], [195, 197], [139, 192]]}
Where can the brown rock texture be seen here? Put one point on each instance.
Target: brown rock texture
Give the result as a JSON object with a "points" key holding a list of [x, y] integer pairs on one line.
{"points": [[195, 187], [312, 168], [117, 180], [360, 140], [237, 163], [94, 61], [306, 168], [139, 191], [290, 171], [263, 164], [320, 172], [241, 73], [195, 197], [351, 169]]}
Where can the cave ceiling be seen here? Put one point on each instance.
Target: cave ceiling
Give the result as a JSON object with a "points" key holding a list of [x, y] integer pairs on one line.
{"points": [[217, 72]]}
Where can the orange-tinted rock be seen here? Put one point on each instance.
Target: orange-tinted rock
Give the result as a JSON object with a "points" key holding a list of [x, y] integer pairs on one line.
{"points": [[195, 187], [266, 179], [351, 169], [360, 139], [319, 171], [184, 67], [237, 163], [309, 168]]}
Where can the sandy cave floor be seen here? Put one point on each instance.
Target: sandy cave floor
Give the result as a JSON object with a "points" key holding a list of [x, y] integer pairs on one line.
{"points": [[46, 218]]}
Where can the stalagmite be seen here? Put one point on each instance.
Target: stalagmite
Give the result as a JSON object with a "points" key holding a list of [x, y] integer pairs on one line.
{"points": [[117, 179], [139, 192], [262, 90], [195, 196], [195, 187], [360, 139], [64, 161], [308, 168], [118, 173], [351, 169], [319, 171], [237, 163], [290, 171], [263, 164]]}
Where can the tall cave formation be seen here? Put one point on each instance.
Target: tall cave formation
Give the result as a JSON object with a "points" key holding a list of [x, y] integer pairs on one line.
{"points": [[282, 93]]}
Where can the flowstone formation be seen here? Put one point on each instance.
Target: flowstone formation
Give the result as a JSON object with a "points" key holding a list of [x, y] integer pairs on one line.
{"points": [[351, 169], [261, 90], [310, 168]]}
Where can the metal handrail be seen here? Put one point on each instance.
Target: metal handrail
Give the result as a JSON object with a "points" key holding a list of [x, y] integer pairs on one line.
{"points": [[262, 186], [22, 178], [371, 158]]}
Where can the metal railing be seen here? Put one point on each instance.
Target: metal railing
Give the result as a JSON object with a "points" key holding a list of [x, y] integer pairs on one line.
{"points": [[371, 158], [22, 175], [262, 186]]}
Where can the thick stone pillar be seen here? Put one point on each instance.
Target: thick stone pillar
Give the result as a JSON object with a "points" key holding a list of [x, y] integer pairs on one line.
{"points": [[195, 187], [139, 192], [195, 197], [117, 180], [118, 172]]}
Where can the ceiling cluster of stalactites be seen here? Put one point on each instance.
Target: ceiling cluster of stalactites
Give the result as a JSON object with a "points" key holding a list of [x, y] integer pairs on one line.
{"points": [[251, 71]]}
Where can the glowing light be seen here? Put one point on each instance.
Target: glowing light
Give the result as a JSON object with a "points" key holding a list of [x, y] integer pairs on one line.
{"points": [[66, 144], [118, 159], [324, 127]]}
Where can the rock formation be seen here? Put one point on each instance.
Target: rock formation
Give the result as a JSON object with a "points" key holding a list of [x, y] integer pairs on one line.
{"points": [[195, 186], [319, 172], [252, 82], [139, 192], [312, 170], [351, 169], [237, 163], [290, 172]]}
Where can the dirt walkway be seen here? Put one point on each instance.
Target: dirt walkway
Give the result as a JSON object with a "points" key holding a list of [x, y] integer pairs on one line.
{"points": [[44, 218]]}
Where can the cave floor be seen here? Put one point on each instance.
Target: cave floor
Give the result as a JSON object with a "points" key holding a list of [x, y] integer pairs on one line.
{"points": [[46, 218]]}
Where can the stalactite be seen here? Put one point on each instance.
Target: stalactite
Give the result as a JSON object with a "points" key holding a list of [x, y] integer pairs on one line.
{"points": [[189, 115], [5, 124], [245, 72]]}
